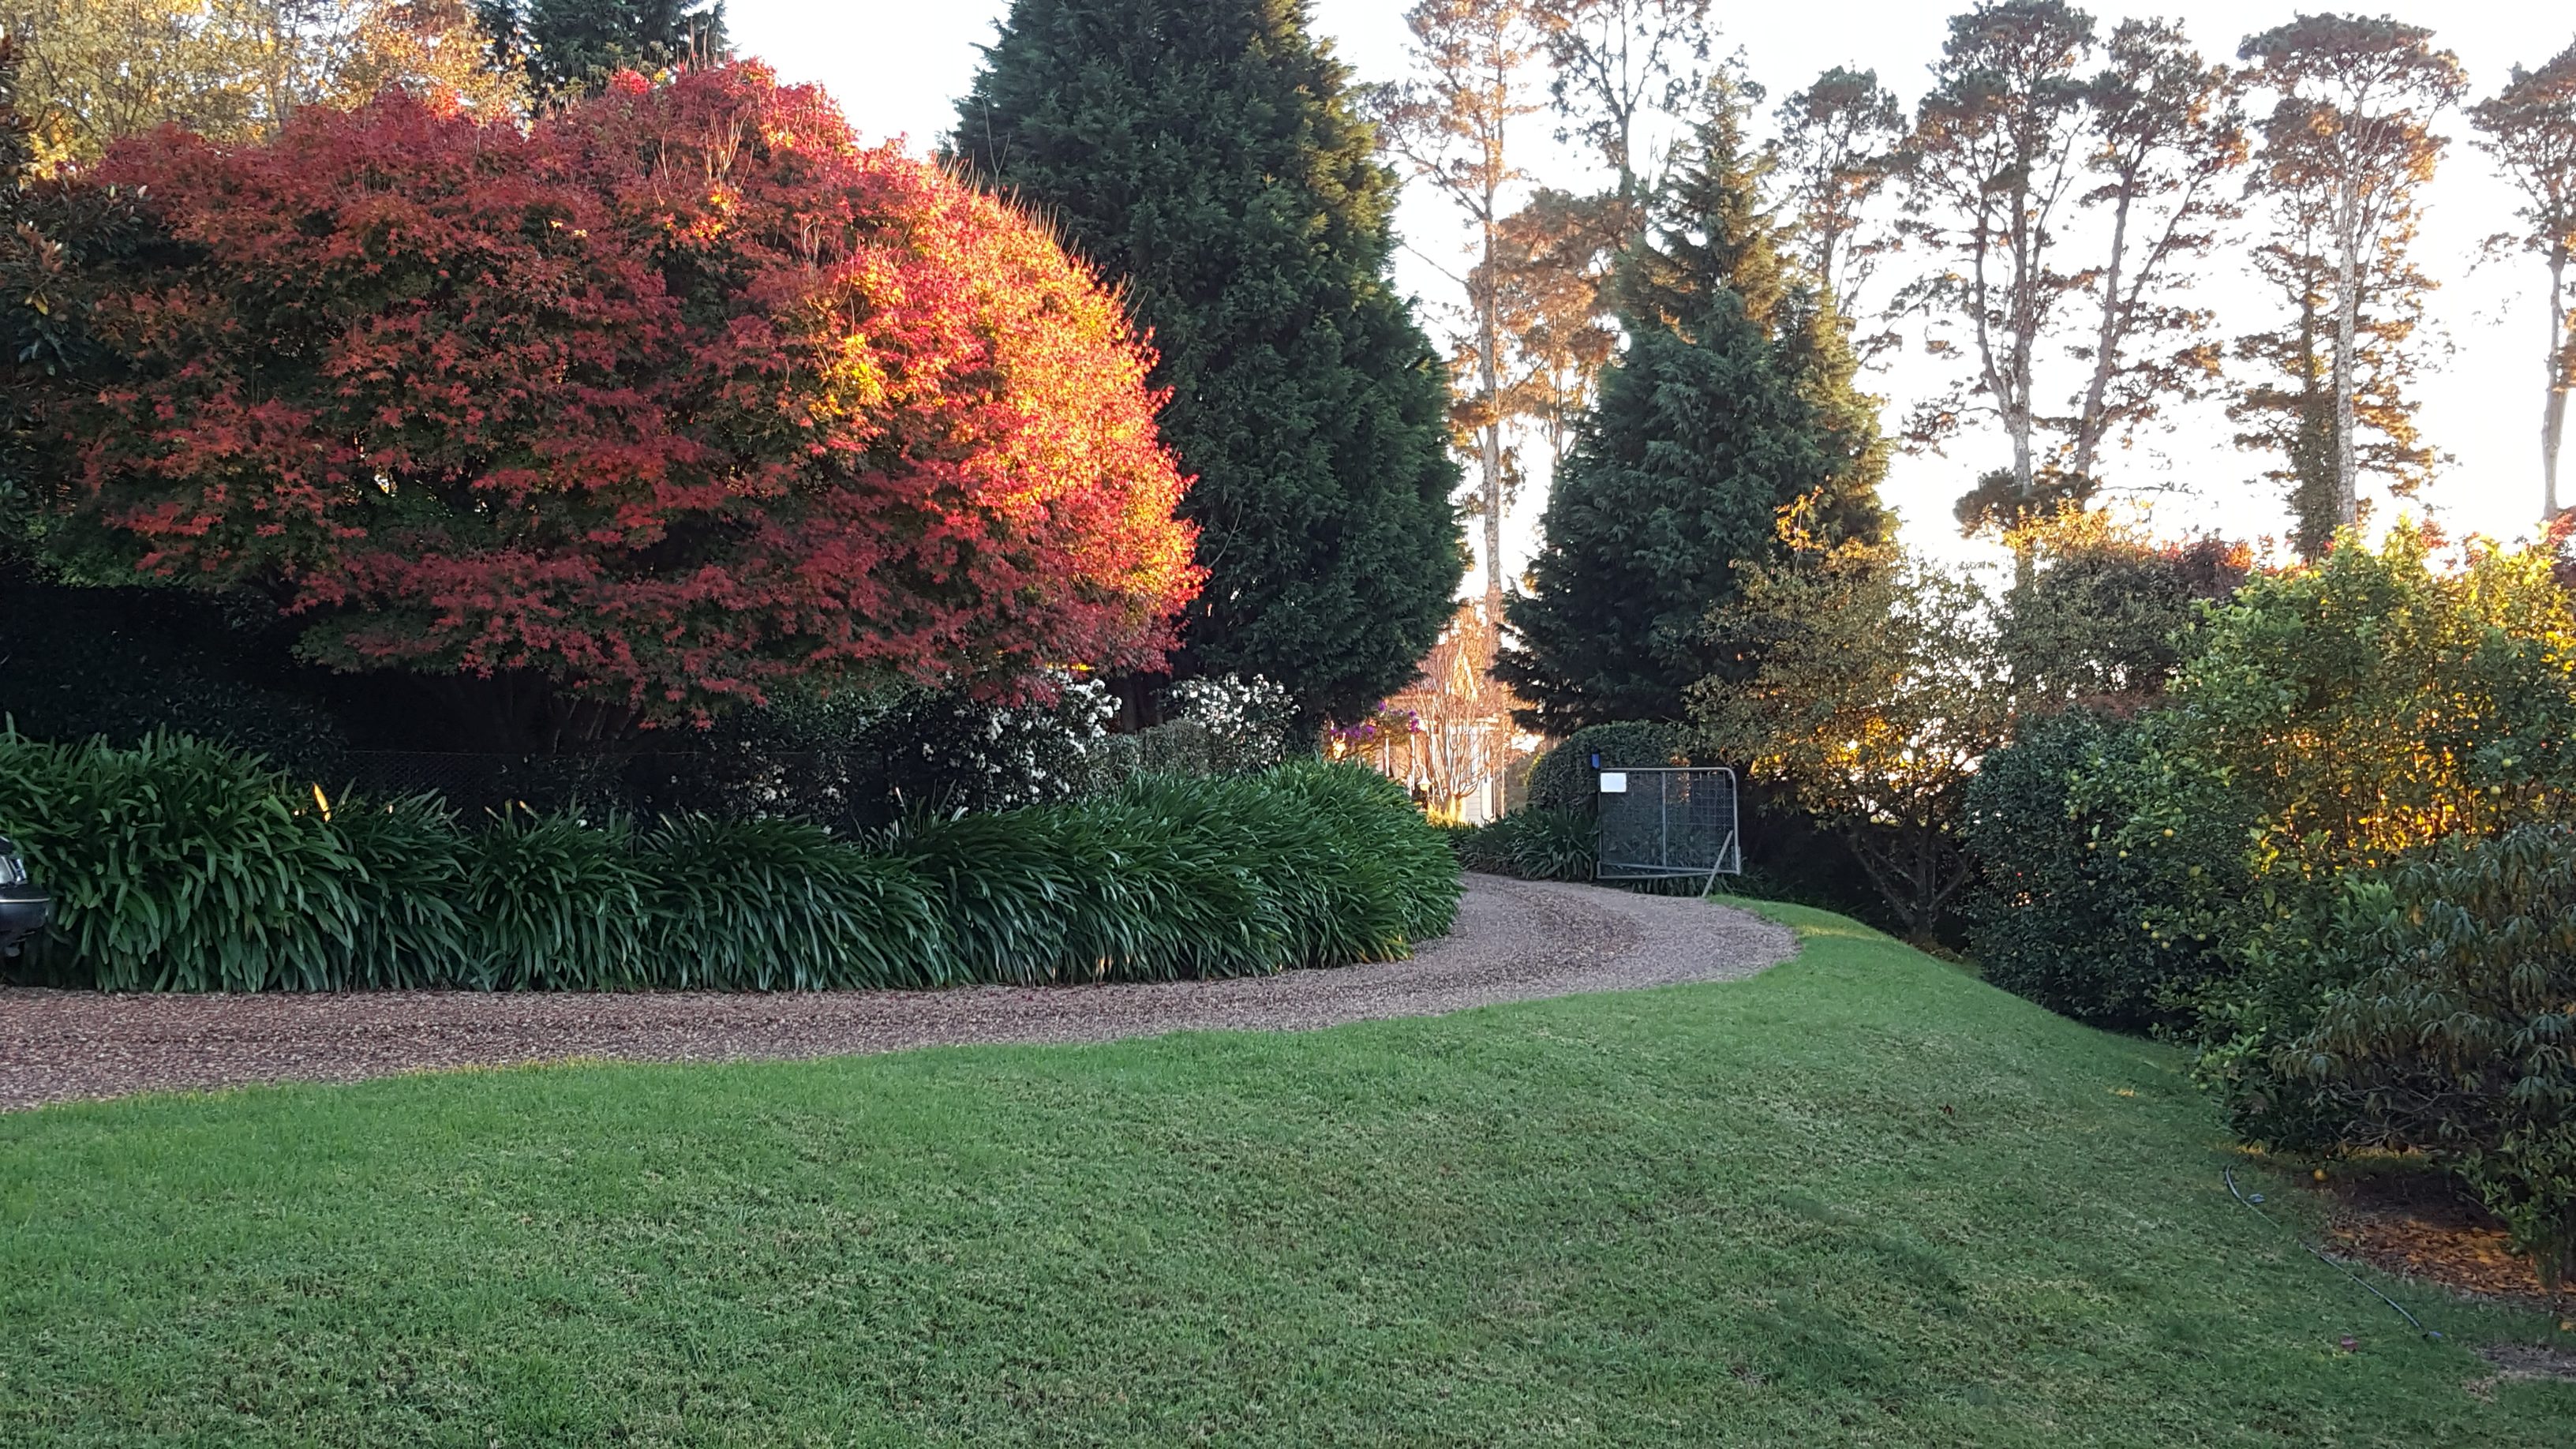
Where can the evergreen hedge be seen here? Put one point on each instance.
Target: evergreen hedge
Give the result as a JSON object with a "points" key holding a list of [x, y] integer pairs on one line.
{"points": [[184, 866]]}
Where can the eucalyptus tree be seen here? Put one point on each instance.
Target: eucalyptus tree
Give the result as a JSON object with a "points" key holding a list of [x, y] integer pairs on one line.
{"points": [[1994, 165], [2168, 133], [2529, 127], [1837, 151], [1615, 64], [1453, 122], [2347, 149]]}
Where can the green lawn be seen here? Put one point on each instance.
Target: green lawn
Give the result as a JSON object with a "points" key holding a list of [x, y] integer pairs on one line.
{"points": [[1707, 1215]]}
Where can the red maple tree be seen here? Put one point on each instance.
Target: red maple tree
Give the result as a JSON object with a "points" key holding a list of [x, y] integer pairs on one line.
{"points": [[677, 394]]}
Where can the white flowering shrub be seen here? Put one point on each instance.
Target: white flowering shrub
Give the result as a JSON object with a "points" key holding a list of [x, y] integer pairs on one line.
{"points": [[1216, 727], [971, 755], [1246, 720]]}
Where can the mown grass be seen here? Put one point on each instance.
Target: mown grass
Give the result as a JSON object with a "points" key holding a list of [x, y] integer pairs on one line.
{"points": [[1860, 1199]]}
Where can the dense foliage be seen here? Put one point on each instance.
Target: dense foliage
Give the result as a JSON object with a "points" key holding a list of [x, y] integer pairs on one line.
{"points": [[1874, 695], [2457, 1034], [2292, 857], [125, 662], [97, 71], [1565, 778], [2059, 910], [2328, 720], [1535, 844], [180, 866], [2100, 615], [1733, 400], [672, 397], [570, 48], [1206, 154]]}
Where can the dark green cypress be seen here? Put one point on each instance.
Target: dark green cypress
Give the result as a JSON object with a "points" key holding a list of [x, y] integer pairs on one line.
{"points": [[1205, 155], [1735, 396], [571, 47]]}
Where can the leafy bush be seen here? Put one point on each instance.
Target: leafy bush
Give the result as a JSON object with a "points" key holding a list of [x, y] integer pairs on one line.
{"points": [[779, 905], [2070, 909], [183, 866], [2461, 1038], [1536, 845], [1564, 778], [2335, 720], [177, 866], [955, 752]]}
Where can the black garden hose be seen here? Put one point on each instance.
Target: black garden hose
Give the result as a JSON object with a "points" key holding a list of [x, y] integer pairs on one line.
{"points": [[2252, 1205]]}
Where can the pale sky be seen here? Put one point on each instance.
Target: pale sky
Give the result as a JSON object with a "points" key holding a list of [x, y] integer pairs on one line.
{"points": [[896, 66]]}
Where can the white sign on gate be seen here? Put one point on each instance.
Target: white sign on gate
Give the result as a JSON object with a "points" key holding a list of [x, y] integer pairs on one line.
{"points": [[1614, 782]]}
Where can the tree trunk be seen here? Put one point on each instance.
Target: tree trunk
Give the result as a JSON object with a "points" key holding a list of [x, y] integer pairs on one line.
{"points": [[1489, 342], [2088, 425], [2347, 322], [2025, 340], [2562, 376]]}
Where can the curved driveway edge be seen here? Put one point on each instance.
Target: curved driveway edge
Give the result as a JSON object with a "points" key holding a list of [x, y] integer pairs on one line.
{"points": [[1514, 941]]}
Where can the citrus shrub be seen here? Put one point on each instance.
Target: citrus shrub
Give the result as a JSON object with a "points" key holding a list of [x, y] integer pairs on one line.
{"points": [[2067, 903]]}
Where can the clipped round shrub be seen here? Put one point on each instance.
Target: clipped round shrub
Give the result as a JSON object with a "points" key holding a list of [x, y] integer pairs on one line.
{"points": [[1564, 778]]}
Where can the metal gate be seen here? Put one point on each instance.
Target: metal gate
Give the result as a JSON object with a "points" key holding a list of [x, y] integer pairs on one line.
{"points": [[1668, 824]]}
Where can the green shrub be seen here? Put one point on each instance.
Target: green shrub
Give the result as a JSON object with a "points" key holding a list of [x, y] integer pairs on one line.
{"points": [[177, 866], [2330, 721], [1411, 874], [1564, 777], [1537, 845], [557, 904], [779, 905], [183, 866], [406, 880], [2072, 909], [2459, 1036]]}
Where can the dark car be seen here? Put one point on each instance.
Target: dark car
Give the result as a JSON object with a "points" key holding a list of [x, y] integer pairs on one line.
{"points": [[24, 906]]}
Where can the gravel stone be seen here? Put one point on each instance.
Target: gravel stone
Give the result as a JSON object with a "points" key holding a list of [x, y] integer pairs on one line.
{"points": [[1514, 941]]}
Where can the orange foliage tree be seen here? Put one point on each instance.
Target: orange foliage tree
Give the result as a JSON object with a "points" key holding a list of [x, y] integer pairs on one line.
{"points": [[626, 417]]}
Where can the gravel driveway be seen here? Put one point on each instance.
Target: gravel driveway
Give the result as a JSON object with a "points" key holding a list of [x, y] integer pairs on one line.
{"points": [[1515, 941]]}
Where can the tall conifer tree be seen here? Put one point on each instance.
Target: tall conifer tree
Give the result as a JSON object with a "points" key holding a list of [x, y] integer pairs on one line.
{"points": [[1206, 154], [1735, 398], [570, 48]]}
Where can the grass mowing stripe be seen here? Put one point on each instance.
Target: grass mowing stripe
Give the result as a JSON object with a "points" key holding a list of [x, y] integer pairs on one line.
{"points": [[1729, 1214]]}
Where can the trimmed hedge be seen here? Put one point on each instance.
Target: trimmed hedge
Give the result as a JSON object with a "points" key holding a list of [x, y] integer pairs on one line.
{"points": [[1563, 778], [183, 866]]}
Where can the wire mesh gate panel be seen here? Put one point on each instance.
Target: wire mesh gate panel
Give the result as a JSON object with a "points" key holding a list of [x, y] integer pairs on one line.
{"points": [[1668, 824]]}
